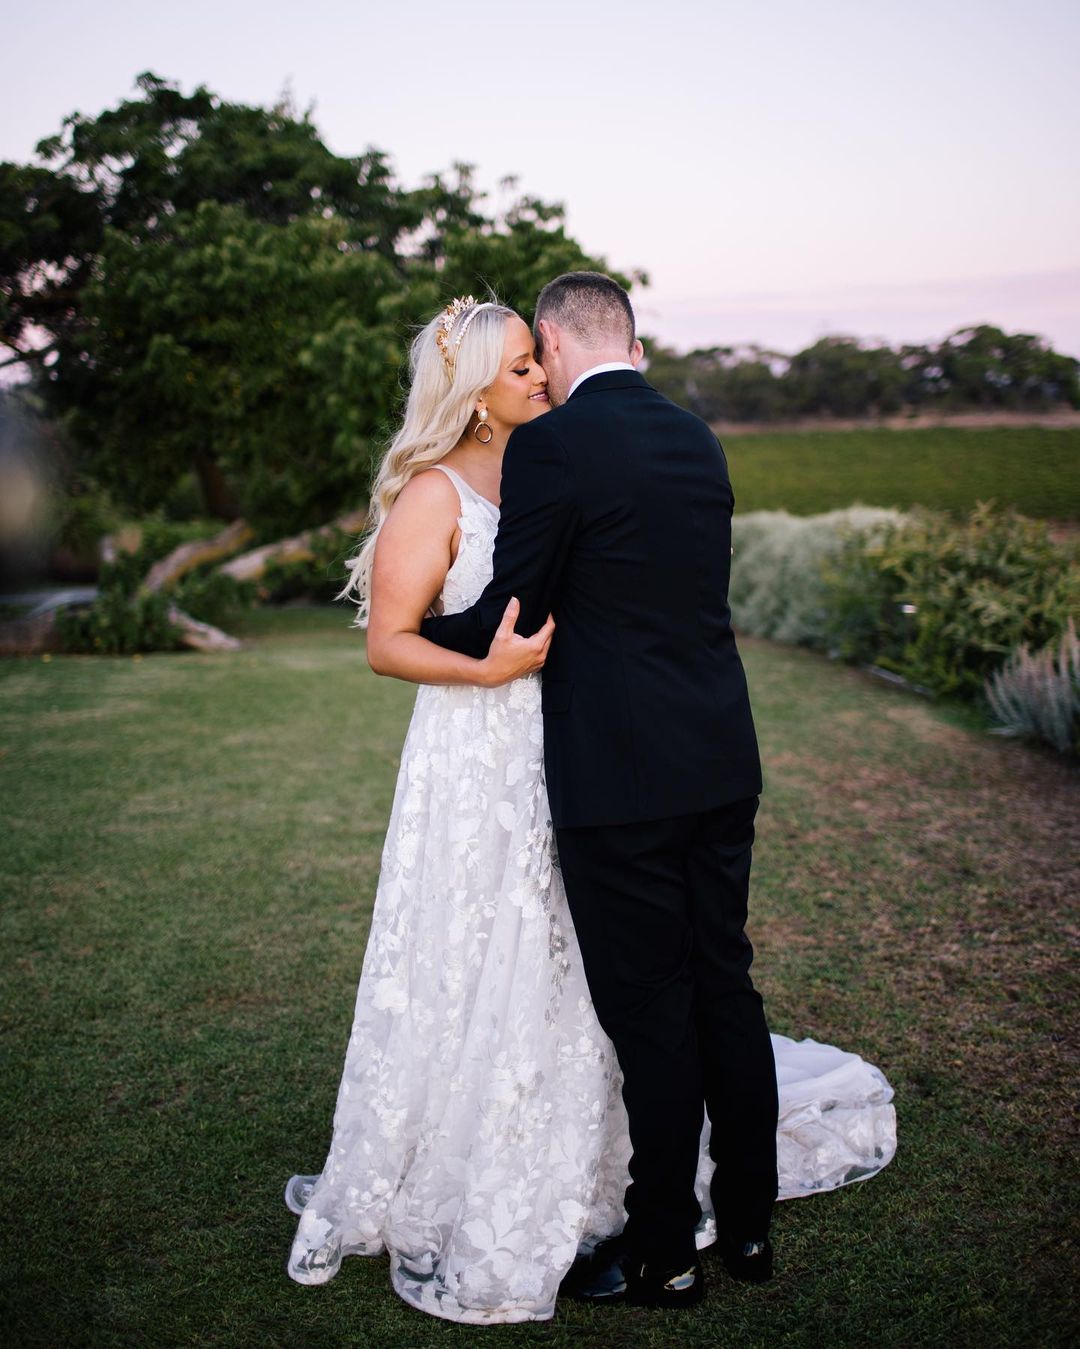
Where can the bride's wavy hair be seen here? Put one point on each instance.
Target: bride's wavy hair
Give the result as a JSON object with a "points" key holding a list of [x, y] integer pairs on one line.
{"points": [[441, 401]]}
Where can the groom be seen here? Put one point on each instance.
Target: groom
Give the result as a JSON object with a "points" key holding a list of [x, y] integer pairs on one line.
{"points": [[616, 517]]}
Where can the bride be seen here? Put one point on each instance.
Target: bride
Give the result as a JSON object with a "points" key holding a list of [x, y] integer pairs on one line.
{"points": [[479, 1136]]}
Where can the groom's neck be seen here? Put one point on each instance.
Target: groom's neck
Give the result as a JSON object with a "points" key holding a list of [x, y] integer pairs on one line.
{"points": [[586, 360]]}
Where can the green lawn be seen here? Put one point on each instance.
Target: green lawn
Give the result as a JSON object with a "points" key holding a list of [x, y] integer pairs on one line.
{"points": [[1034, 469], [189, 857]]}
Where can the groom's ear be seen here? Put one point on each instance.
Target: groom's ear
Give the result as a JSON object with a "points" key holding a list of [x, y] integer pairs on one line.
{"points": [[546, 339], [637, 351]]}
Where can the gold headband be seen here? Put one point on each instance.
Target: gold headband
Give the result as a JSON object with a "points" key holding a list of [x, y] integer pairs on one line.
{"points": [[449, 317]]}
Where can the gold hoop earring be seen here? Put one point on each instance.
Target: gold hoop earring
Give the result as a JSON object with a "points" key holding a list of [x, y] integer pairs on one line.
{"points": [[481, 425]]}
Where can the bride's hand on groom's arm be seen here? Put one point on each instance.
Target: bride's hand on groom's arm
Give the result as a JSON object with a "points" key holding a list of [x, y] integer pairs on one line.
{"points": [[510, 656]]}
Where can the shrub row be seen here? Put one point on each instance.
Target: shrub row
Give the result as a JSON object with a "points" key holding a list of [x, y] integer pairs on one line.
{"points": [[778, 586], [945, 604]]}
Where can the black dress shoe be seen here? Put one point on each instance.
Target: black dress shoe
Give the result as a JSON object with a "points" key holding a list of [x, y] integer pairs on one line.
{"points": [[650, 1286], [599, 1270], [749, 1261], [612, 1274]]}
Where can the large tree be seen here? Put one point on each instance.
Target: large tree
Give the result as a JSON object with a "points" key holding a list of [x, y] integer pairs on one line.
{"points": [[204, 286], [139, 169], [262, 356]]}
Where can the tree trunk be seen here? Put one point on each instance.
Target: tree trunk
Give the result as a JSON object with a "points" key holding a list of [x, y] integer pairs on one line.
{"points": [[218, 496]]}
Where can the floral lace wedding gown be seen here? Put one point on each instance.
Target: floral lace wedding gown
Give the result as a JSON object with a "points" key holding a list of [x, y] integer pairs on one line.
{"points": [[479, 1135]]}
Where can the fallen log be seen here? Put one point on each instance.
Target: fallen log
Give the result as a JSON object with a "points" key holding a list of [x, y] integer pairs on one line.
{"points": [[201, 636], [251, 565], [35, 633], [190, 555]]}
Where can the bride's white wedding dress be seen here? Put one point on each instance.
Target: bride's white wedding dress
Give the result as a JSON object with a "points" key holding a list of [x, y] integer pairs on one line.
{"points": [[479, 1135]]}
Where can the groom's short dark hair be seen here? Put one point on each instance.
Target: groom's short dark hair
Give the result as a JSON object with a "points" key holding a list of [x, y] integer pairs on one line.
{"points": [[592, 306]]}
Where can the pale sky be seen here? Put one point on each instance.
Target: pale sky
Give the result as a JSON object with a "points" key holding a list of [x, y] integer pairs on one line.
{"points": [[781, 169]]}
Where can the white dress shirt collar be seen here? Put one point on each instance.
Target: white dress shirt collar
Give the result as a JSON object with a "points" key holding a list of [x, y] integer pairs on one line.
{"points": [[598, 370]]}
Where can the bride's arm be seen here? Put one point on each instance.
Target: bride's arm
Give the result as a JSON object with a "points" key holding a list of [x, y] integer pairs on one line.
{"points": [[413, 553]]}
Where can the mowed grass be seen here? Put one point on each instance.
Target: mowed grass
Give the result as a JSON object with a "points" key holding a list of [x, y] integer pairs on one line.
{"points": [[190, 854], [1033, 469]]}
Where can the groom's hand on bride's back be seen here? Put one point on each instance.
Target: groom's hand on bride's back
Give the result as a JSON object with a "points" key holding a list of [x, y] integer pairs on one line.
{"points": [[510, 656]]}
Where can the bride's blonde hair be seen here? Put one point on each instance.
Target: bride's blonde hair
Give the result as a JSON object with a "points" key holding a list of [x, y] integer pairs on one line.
{"points": [[453, 359]]}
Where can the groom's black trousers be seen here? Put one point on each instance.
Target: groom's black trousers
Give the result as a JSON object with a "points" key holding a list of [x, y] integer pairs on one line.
{"points": [[660, 909]]}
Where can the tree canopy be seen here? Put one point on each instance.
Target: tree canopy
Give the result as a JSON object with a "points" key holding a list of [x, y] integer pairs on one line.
{"points": [[204, 286]]}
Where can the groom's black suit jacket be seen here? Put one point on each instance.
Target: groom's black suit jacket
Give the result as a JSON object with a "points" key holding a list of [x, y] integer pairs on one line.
{"points": [[616, 517]]}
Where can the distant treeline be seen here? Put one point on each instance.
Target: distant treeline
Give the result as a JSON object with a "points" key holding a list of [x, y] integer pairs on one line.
{"points": [[972, 369]]}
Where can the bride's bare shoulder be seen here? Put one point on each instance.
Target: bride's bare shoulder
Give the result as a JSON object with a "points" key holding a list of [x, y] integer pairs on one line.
{"points": [[429, 495]]}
